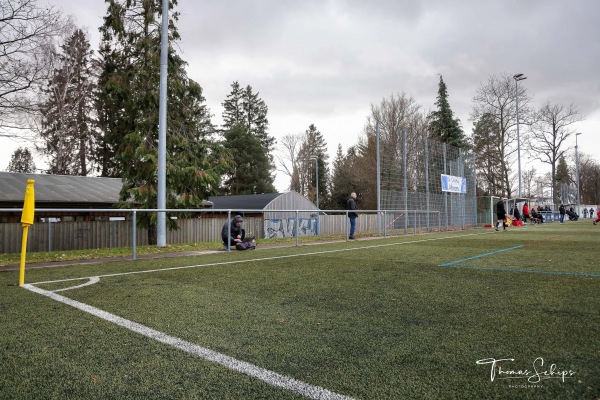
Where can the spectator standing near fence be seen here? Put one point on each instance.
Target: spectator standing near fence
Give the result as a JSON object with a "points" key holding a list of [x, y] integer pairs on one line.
{"points": [[561, 211], [591, 212], [352, 207], [584, 213], [501, 213], [517, 213], [525, 212]]}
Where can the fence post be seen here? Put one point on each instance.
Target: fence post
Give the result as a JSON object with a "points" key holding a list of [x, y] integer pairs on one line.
{"points": [[378, 181], [49, 234], [427, 181], [415, 224], [385, 223], [346, 224], [405, 186], [228, 231], [296, 225], [195, 229], [134, 234], [445, 193]]}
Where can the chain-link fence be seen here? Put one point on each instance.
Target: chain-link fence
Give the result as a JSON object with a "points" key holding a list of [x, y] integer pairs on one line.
{"points": [[411, 169], [567, 194]]}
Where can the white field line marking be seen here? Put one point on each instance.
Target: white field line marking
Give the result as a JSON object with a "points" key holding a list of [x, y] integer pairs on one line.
{"points": [[262, 259], [265, 375], [92, 280]]}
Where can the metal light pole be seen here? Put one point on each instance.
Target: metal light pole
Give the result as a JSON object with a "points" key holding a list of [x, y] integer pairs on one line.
{"points": [[577, 173], [517, 78], [161, 223], [316, 176]]}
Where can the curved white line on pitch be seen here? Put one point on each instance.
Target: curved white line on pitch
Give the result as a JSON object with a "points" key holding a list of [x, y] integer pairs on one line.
{"points": [[92, 280], [254, 371]]}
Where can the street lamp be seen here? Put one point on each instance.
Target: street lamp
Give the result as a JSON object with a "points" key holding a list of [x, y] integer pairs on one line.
{"points": [[517, 78], [316, 176], [577, 173]]}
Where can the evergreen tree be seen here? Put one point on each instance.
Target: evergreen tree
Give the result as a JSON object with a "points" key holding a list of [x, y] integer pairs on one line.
{"points": [[562, 177], [21, 161], [562, 172], [67, 113], [111, 96], [488, 163], [249, 173], [130, 104], [341, 180], [443, 125], [233, 108], [255, 111], [243, 109], [314, 146]]}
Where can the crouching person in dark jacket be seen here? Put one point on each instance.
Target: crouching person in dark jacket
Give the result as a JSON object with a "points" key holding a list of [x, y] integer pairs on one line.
{"points": [[233, 231]]}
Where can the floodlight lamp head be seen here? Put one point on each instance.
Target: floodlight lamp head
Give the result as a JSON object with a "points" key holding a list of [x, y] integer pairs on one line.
{"points": [[519, 77]]}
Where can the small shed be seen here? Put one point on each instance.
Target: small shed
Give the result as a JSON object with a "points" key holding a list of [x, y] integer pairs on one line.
{"points": [[274, 223]]}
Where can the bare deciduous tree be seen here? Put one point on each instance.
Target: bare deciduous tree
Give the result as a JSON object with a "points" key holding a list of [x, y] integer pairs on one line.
{"points": [[496, 98], [67, 110], [529, 177], [546, 141], [26, 34], [288, 161], [589, 180]]}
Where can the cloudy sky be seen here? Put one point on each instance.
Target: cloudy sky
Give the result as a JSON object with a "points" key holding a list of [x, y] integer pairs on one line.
{"points": [[324, 62]]}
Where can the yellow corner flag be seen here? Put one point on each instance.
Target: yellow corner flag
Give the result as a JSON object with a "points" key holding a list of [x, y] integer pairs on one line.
{"points": [[26, 220]]}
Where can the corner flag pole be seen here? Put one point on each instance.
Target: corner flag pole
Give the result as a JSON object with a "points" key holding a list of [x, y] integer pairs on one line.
{"points": [[26, 220]]}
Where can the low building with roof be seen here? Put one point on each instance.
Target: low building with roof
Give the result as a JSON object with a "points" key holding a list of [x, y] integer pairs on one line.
{"points": [[58, 191], [264, 202], [266, 215]]}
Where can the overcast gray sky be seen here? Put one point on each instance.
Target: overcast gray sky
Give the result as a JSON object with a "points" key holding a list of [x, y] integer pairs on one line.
{"points": [[324, 62]]}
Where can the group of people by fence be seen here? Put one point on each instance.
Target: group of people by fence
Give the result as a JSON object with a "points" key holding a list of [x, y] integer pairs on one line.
{"points": [[536, 214]]}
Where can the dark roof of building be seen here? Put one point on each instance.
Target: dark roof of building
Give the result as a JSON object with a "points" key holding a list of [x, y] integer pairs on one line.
{"points": [[60, 188], [243, 201]]}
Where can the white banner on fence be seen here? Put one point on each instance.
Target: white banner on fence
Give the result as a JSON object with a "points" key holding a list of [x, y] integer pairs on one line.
{"points": [[454, 184]]}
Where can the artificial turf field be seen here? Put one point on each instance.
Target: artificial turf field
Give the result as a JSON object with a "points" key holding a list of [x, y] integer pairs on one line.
{"points": [[413, 317]]}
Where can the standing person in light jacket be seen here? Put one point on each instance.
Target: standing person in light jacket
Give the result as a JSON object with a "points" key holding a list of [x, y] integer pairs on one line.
{"points": [[352, 214]]}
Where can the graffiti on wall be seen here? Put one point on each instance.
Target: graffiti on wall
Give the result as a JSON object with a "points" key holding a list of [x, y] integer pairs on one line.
{"points": [[284, 227]]}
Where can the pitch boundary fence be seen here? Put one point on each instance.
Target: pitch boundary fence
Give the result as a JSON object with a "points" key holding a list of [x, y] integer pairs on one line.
{"points": [[206, 227]]}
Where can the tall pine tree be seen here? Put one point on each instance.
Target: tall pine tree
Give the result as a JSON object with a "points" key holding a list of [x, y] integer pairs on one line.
{"points": [[488, 163], [341, 179], [314, 146], [21, 161], [130, 104], [250, 172], [444, 127], [244, 111], [67, 112]]}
